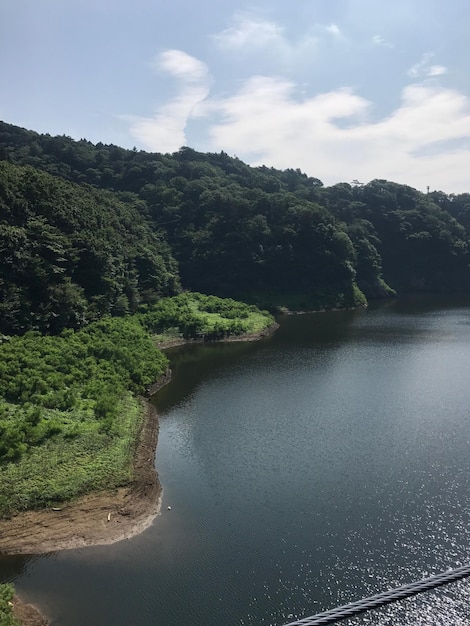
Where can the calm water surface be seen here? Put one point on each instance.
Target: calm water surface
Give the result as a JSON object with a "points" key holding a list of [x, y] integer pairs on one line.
{"points": [[326, 463]]}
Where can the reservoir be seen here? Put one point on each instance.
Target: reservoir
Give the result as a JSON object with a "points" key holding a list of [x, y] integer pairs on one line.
{"points": [[323, 464]]}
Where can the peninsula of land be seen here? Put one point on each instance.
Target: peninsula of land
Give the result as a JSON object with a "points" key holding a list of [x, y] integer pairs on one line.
{"points": [[99, 518], [102, 517]]}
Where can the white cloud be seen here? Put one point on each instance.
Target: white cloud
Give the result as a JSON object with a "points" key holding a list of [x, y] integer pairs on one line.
{"points": [[264, 115], [437, 70], [251, 32], [331, 135], [265, 124], [378, 40], [333, 29], [250, 35], [165, 130], [418, 69], [181, 65], [423, 69]]}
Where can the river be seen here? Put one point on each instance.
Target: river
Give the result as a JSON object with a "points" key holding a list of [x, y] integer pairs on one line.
{"points": [[323, 464]]}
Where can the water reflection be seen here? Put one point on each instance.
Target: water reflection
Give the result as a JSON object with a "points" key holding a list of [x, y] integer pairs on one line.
{"points": [[13, 567]]}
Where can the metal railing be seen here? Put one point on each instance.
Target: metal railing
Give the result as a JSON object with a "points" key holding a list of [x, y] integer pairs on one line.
{"points": [[381, 599]]}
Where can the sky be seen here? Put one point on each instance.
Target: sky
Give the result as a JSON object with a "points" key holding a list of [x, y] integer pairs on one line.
{"points": [[342, 89]]}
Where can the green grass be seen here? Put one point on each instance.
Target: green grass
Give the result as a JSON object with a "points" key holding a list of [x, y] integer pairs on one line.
{"points": [[64, 467], [195, 315]]}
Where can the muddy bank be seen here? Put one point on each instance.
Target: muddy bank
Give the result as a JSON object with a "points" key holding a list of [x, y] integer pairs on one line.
{"points": [[27, 614], [180, 341], [94, 519]]}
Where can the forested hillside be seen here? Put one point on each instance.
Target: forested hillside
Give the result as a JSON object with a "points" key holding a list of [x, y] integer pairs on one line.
{"points": [[98, 228], [71, 253]]}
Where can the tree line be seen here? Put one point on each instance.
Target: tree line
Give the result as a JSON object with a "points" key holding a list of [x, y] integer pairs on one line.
{"points": [[87, 230]]}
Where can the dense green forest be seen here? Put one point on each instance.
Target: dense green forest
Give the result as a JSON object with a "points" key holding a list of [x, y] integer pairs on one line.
{"points": [[71, 253], [90, 229]]}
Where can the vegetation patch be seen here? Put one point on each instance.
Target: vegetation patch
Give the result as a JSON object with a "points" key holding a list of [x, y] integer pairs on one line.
{"points": [[195, 315], [69, 413], [63, 467], [68, 416], [6, 606], [88, 230]]}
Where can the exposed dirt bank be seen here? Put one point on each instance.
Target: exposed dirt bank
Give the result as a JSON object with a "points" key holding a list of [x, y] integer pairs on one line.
{"points": [[173, 343], [97, 518], [27, 614]]}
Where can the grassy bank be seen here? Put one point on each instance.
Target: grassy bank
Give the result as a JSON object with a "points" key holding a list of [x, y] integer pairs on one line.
{"points": [[64, 467], [69, 416], [69, 409], [197, 316]]}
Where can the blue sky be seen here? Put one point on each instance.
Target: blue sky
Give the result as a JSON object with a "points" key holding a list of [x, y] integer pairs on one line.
{"points": [[342, 89]]}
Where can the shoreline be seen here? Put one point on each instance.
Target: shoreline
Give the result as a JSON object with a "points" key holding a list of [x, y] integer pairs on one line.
{"points": [[28, 614], [103, 517], [97, 518], [261, 334]]}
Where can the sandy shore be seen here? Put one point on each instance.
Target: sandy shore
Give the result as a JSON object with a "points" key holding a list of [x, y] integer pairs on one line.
{"points": [[97, 518]]}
